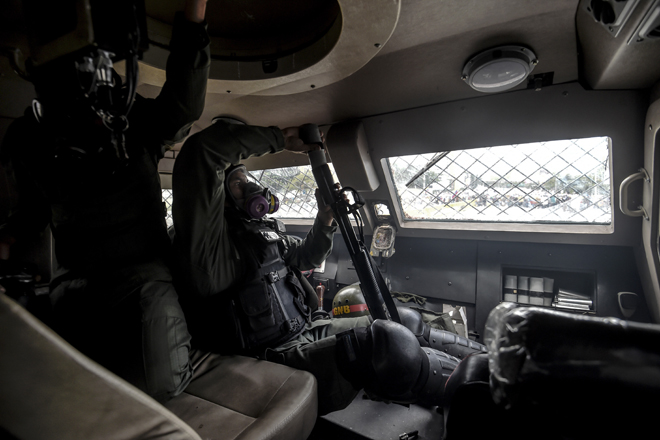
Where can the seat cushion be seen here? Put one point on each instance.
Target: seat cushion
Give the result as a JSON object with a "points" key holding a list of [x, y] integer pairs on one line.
{"points": [[49, 390], [235, 397]]}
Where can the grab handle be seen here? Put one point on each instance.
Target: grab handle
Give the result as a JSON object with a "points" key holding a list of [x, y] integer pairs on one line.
{"points": [[623, 194]]}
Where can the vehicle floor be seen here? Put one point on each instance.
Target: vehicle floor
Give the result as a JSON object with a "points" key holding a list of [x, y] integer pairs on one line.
{"points": [[366, 419]]}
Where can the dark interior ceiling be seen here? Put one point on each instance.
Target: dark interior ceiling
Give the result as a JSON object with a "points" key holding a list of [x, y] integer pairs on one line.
{"points": [[420, 64]]}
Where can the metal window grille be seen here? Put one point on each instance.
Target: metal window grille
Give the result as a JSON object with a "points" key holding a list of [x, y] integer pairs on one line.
{"points": [[167, 199], [564, 181], [294, 186]]}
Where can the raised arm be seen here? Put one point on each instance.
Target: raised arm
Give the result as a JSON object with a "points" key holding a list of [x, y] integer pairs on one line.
{"points": [[202, 241], [181, 101]]}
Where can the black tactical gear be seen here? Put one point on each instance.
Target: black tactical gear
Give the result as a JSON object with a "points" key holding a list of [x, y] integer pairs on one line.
{"points": [[270, 307], [113, 294]]}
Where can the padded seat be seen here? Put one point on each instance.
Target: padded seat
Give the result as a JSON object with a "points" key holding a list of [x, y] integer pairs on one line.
{"points": [[235, 397], [52, 391]]}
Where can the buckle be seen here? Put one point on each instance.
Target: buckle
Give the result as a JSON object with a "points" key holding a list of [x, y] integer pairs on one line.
{"points": [[273, 277], [293, 325]]}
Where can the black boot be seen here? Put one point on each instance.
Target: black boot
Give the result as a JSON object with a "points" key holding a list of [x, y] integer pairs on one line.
{"points": [[440, 340], [386, 360]]}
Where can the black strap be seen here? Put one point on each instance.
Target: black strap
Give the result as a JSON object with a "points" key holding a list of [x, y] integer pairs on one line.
{"points": [[385, 292]]}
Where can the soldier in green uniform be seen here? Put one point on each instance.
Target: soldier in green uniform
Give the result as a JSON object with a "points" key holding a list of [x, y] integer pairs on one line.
{"points": [[112, 294], [238, 275]]}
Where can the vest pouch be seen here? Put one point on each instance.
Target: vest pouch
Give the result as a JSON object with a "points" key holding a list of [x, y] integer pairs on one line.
{"points": [[295, 286], [256, 302]]}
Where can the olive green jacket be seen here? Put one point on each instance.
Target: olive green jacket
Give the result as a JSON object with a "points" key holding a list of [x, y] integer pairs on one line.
{"points": [[204, 245]]}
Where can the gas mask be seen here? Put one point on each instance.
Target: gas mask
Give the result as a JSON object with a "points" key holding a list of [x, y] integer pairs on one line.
{"points": [[257, 201]]}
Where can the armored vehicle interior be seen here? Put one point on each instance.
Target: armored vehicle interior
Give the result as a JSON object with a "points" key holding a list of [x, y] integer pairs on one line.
{"points": [[492, 142]]}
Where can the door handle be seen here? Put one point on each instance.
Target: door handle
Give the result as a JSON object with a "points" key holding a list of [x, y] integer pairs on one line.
{"points": [[623, 194]]}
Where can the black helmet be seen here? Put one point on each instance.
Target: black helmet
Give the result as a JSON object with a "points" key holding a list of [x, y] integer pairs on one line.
{"points": [[349, 302]]}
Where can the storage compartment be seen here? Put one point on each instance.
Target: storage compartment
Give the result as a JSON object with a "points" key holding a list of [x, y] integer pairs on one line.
{"points": [[561, 289]]}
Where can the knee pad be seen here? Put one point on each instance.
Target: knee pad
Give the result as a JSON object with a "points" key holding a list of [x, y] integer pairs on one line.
{"points": [[441, 340], [388, 362]]}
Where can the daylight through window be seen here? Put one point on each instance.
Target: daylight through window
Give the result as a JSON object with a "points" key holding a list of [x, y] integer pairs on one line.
{"points": [[295, 188], [564, 181], [167, 199]]}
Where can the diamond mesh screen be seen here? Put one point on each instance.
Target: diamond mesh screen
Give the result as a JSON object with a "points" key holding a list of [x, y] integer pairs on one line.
{"points": [[167, 199], [294, 187], [564, 181]]}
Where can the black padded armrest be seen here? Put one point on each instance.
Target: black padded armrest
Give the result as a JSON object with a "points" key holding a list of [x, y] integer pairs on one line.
{"points": [[574, 369]]}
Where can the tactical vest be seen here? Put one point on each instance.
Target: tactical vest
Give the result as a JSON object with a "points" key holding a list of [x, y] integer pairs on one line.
{"points": [[269, 306]]}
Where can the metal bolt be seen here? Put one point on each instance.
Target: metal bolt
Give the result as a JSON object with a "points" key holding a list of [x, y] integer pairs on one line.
{"points": [[611, 29], [565, 93], [435, 372], [377, 44], [434, 340], [464, 77], [650, 127], [407, 277], [449, 283], [535, 62]]}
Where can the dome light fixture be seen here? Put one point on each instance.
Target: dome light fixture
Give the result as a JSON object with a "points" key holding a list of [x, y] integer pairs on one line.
{"points": [[499, 69]]}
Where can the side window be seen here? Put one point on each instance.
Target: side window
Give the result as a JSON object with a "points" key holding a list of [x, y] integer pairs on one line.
{"points": [[557, 182], [294, 186], [167, 199]]}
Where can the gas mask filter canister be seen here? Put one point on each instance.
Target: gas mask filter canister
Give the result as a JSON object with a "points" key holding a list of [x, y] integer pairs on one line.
{"points": [[259, 201]]}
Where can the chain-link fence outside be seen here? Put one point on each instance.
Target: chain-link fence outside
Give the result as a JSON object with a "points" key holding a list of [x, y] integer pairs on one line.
{"points": [[167, 199], [293, 186], [546, 182]]}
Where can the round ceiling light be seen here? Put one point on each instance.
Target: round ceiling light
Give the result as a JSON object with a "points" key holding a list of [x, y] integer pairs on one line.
{"points": [[498, 69]]}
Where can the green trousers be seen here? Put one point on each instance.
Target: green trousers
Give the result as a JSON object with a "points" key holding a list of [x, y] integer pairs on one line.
{"points": [[128, 319], [314, 351]]}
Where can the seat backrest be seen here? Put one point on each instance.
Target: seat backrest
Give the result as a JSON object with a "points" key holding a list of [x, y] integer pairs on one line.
{"points": [[49, 390]]}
